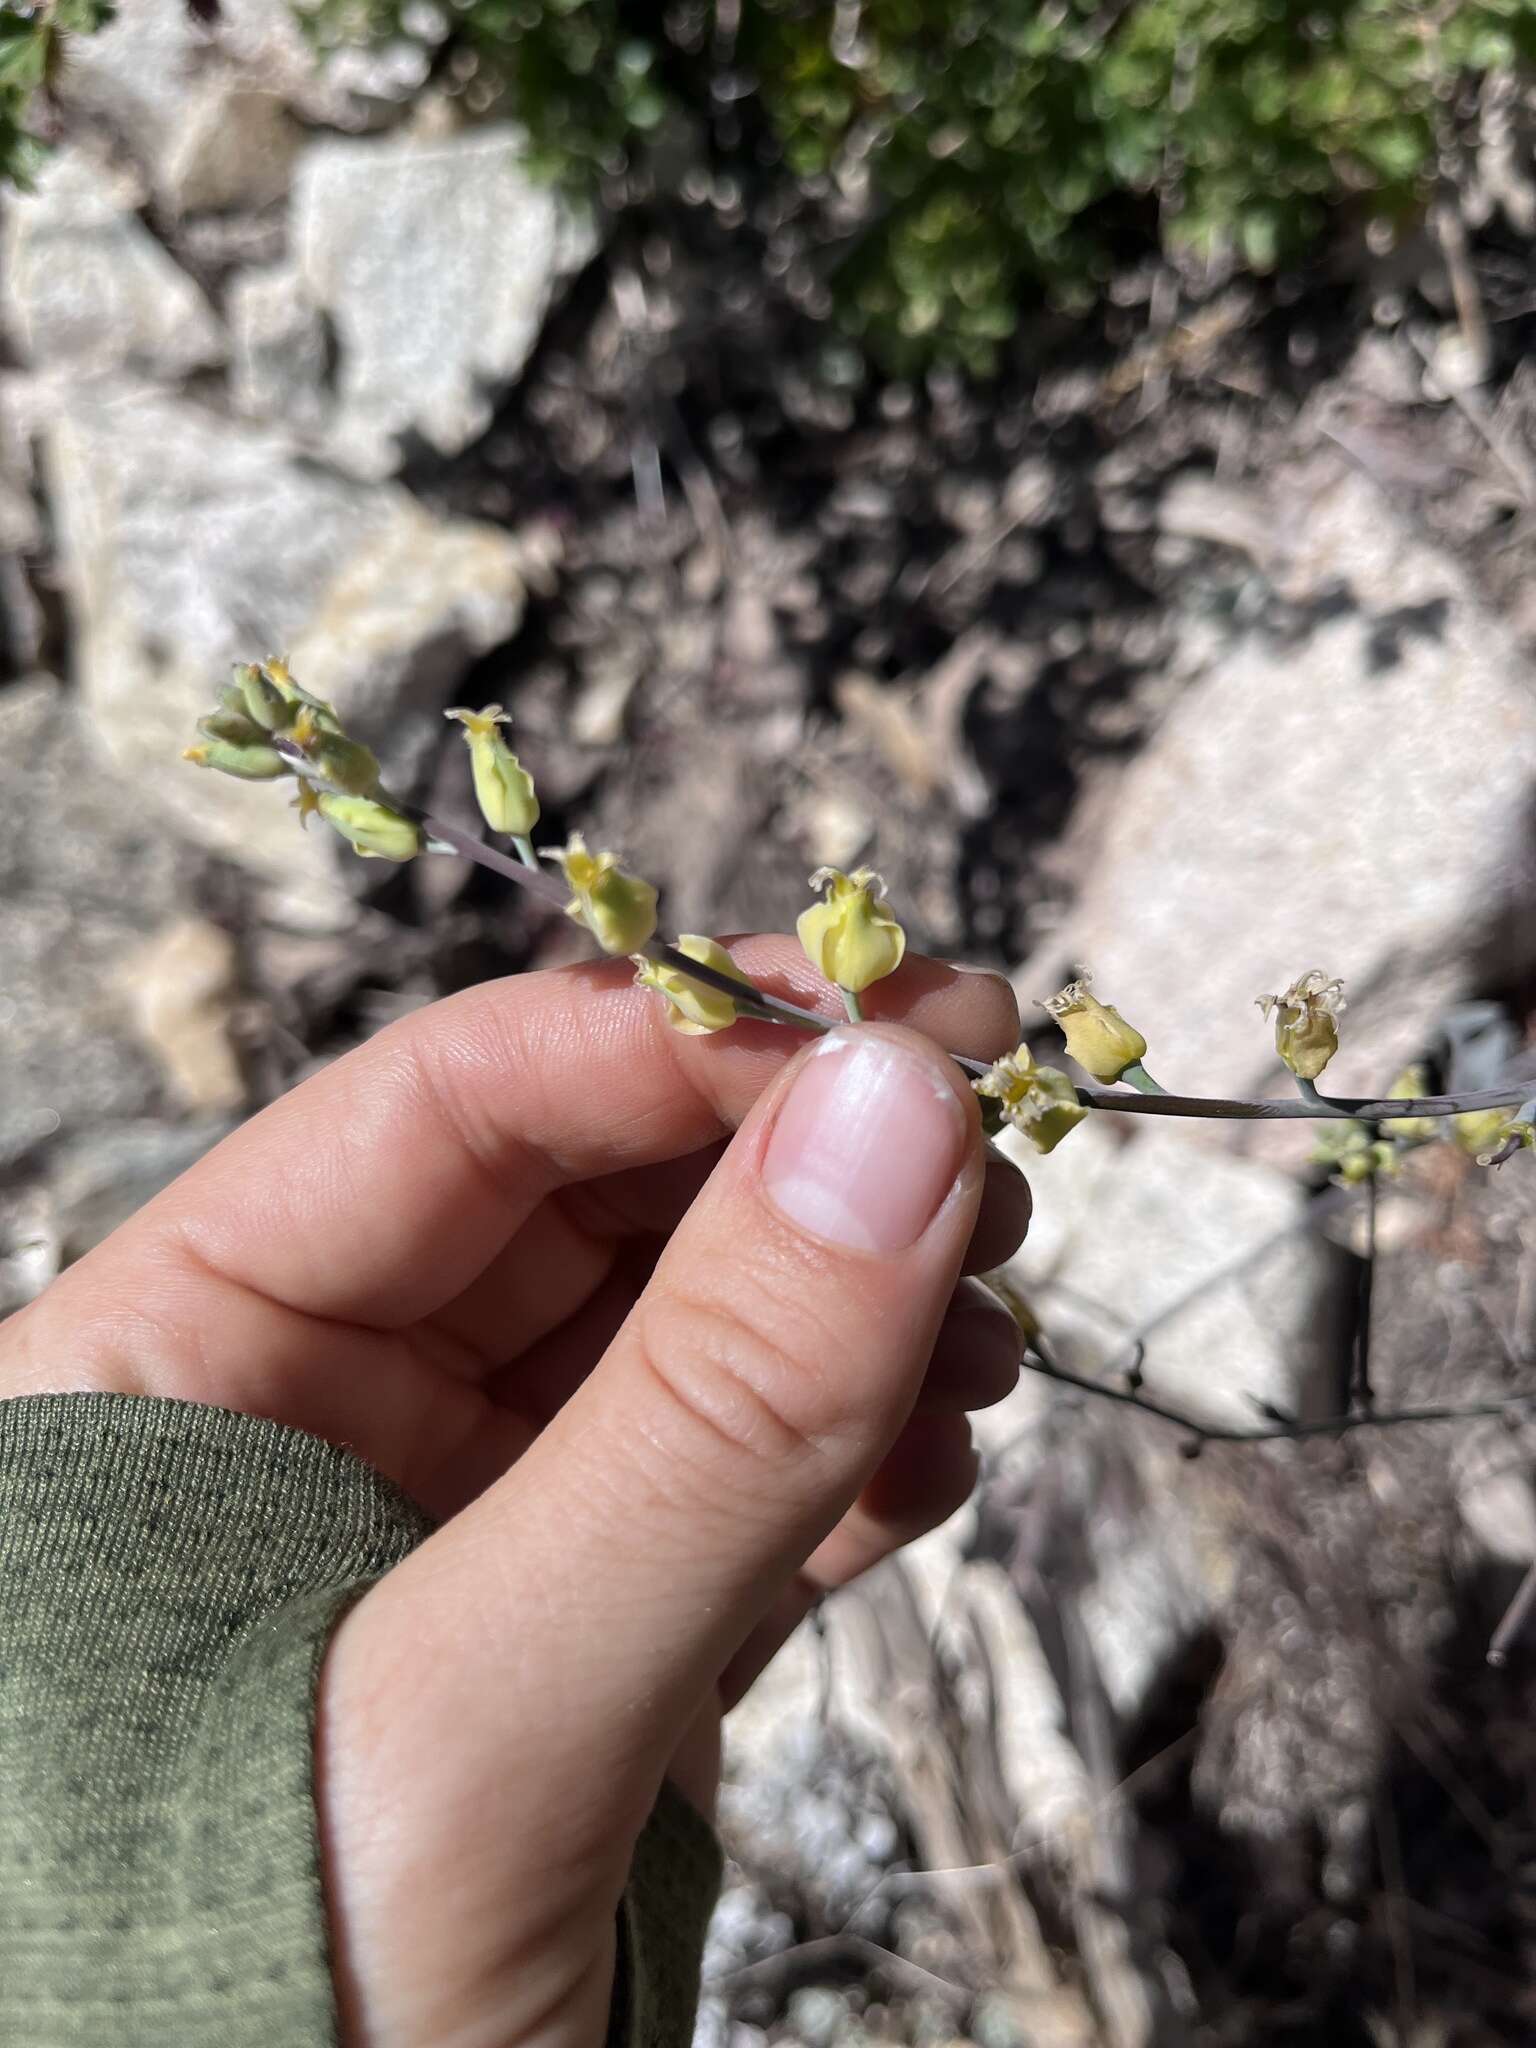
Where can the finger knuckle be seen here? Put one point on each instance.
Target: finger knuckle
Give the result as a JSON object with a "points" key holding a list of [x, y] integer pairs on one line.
{"points": [[735, 1379]]}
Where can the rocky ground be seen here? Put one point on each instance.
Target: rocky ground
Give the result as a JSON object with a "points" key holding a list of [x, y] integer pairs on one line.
{"points": [[1198, 648]]}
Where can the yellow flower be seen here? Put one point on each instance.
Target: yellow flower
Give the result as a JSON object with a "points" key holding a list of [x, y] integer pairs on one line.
{"points": [[335, 762], [372, 828], [1097, 1036], [619, 910], [306, 803], [503, 786], [1410, 1082], [1306, 1022], [692, 1006], [851, 937], [254, 762], [1039, 1101]]}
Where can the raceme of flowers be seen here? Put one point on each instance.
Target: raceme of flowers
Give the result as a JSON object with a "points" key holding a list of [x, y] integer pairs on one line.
{"points": [[266, 727]]}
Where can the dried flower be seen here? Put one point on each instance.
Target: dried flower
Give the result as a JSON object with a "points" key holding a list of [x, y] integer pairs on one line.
{"points": [[851, 937], [692, 1006], [306, 803], [503, 786], [1097, 1036], [1039, 1101], [617, 908], [1306, 1022], [372, 828]]}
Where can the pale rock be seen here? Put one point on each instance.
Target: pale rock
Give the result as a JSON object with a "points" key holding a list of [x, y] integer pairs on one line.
{"points": [[87, 286], [278, 342], [179, 989], [188, 543], [396, 626], [167, 85], [85, 871], [1209, 1258], [435, 260], [234, 145], [1357, 800]]}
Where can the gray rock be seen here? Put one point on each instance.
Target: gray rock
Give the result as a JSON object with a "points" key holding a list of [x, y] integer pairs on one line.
{"points": [[1357, 799], [234, 144], [187, 543], [1149, 1230], [178, 992], [85, 872], [88, 288], [435, 260], [203, 112], [278, 370]]}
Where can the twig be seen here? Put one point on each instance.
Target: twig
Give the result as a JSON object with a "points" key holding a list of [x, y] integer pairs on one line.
{"points": [[1280, 1429], [1361, 1395], [829, 1948], [1516, 1615]]}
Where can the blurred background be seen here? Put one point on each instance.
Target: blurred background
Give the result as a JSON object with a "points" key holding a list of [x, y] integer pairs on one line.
{"points": [[1079, 459]]}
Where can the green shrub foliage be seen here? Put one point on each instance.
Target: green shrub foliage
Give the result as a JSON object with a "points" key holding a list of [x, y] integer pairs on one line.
{"points": [[33, 43], [976, 155], [1002, 149]]}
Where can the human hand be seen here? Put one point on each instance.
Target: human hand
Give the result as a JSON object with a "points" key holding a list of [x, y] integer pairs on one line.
{"points": [[663, 1385]]}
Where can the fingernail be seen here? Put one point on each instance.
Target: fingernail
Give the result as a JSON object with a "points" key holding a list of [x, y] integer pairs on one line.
{"points": [[867, 1144]]}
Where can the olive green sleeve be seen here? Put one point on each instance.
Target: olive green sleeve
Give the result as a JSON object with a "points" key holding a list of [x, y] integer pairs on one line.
{"points": [[169, 1577]]}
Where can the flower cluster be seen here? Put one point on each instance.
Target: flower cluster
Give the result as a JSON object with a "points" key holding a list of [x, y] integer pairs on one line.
{"points": [[265, 727]]}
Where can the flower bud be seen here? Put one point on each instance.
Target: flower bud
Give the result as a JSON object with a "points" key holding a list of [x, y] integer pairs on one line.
{"points": [[1306, 1022], [1039, 1101], [233, 726], [264, 702], [503, 786], [336, 762], [851, 937], [1412, 1130], [251, 763], [692, 1006], [1366, 1159], [618, 909], [1097, 1036], [372, 828]]}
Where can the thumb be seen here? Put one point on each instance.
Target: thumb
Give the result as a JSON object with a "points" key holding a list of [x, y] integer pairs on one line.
{"points": [[548, 1647]]}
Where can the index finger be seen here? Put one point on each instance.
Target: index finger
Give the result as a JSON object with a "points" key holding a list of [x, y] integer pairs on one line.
{"points": [[377, 1190]]}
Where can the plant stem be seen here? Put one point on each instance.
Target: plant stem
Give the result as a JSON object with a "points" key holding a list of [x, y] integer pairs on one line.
{"points": [[1141, 1080], [551, 890], [853, 1006], [525, 852]]}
